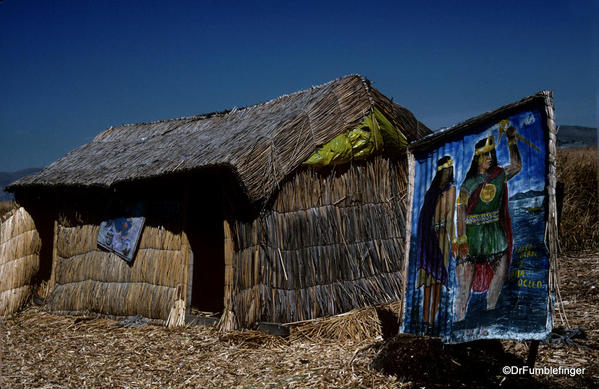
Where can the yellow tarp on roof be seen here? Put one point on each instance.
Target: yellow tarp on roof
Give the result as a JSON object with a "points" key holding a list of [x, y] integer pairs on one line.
{"points": [[372, 136]]}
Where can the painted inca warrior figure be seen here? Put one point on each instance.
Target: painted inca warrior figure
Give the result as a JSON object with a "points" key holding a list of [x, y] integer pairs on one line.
{"points": [[484, 225], [435, 233]]}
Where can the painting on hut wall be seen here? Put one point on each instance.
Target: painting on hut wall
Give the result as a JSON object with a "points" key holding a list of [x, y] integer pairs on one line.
{"points": [[478, 265], [121, 235]]}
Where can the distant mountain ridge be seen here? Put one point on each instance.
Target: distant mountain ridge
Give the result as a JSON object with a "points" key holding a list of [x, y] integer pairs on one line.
{"points": [[569, 136], [576, 136], [7, 178]]}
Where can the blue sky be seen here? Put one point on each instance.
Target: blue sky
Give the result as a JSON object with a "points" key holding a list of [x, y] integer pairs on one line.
{"points": [[70, 69]]}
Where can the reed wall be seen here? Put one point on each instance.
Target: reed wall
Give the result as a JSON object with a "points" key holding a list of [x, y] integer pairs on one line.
{"points": [[20, 246], [88, 278], [329, 243]]}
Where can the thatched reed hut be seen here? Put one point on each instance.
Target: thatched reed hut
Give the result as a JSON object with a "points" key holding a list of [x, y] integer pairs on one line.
{"points": [[283, 211]]}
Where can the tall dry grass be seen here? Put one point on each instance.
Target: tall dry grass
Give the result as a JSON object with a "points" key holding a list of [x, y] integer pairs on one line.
{"points": [[579, 224]]}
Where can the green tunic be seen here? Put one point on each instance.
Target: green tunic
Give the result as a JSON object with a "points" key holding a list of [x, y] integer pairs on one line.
{"points": [[486, 236]]}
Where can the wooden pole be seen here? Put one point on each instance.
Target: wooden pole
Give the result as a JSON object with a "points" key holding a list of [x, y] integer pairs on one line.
{"points": [[408, 226], [227, 321], [186, 251], [52, 282], [533, 350], [552, 221], [190, 282]]}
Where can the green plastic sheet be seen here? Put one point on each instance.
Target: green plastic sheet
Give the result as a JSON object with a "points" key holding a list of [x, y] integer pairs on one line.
{"points": [[374, 135]]}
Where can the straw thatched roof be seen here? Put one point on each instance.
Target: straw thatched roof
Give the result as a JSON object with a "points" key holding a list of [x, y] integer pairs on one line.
{"points": [[261, 144]]}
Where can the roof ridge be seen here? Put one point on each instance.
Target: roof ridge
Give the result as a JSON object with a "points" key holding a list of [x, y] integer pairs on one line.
{"points": [[225, 112]]}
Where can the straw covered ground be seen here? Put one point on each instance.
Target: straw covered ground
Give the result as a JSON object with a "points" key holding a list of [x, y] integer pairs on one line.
{"points": [[43, 350]]}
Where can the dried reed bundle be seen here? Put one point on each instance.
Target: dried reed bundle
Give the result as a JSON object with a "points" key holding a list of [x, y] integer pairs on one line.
{"points": [[227, 321], [176, 317], [19, 259], [357, 325]]}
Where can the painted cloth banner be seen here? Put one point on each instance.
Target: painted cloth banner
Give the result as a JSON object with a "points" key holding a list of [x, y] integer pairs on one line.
{"points": [[478, 266], [121, 236]]}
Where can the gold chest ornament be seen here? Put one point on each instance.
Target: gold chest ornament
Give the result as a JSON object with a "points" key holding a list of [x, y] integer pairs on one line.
{"points": [[487, 194]]}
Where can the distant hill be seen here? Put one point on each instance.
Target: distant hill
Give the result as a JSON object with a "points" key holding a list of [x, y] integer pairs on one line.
{"points": [[576, 136], [572, 136], [527, 195], [7, 178]]}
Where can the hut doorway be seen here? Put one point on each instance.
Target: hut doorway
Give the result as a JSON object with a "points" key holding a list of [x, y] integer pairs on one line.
{"points": [[206, 238]]}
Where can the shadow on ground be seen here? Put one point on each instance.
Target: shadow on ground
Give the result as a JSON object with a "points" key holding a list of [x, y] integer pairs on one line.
{"points": [[428, 362]]}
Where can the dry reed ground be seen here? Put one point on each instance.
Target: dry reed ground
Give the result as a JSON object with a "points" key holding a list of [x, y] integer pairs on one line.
{"points": [[43, 350]]}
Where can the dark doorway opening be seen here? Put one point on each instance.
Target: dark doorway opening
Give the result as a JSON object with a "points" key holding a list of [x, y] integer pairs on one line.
{"points": [[206, 238]]}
